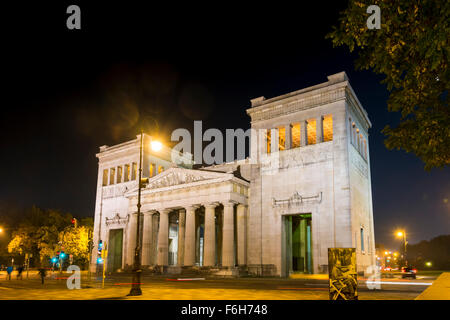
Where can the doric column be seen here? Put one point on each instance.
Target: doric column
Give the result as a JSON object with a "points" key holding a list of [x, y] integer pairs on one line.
{"points": [[303, 133], [209, 245], [131, 242], [241, 226], [274, 140], [163, 238], [319, 129], [155, 232], [147, 239], [288, 132], [228, 235], [181, 234], [189, 238]]}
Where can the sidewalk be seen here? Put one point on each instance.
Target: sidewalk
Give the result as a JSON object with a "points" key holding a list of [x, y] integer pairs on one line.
{"points": [[439, 290]]}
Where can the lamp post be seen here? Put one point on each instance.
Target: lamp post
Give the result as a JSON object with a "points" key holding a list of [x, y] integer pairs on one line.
{"points": [[136, 280], [402, 234]]}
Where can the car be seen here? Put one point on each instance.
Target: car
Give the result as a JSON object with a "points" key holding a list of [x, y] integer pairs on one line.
{"points": [[409, 272]]}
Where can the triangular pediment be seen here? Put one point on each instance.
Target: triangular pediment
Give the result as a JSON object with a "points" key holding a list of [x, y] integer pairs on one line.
{"points": [[181, 176]]}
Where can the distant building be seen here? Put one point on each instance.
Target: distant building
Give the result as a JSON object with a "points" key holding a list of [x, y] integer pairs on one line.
{"points": [[306, 187]]}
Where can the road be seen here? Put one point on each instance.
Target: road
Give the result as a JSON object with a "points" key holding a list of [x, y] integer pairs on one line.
{"points": [[195, 288]]}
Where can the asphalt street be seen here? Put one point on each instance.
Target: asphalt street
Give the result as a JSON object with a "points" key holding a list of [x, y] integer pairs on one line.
{"points": [[196, 287]]}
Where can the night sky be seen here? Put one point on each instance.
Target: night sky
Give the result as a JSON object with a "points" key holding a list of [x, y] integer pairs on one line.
{"points": [[67, 92]]}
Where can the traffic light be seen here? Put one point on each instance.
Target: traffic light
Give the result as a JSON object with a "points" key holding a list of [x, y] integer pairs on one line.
{"points": [[100, 247]]}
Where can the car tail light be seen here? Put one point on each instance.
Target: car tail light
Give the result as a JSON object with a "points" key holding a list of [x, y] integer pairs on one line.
{"points": [[414, 270]]}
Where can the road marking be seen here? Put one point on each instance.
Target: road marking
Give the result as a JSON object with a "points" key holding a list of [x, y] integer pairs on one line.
{"points": [[302, 289], [185, 279], [401, 283]]}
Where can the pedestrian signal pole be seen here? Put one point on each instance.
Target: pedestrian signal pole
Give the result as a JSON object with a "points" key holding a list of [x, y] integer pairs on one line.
{"points": [[104, 257]]}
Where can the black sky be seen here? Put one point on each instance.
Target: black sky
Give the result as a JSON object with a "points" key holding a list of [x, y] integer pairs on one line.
{"points": [[65, 93]]}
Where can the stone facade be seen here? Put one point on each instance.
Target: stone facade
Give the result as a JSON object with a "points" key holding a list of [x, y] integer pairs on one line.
{"points": [[305, 188]]}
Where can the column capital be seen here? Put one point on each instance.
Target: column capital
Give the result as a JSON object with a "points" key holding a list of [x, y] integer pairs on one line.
{"points": [[192, 207], [164, 211], [211, 205], [149, 213], [242, 205], [229, 203]]}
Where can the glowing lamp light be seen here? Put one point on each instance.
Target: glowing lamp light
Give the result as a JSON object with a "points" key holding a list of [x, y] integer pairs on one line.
{"points": [[1, 230], [99, 260], [399, 234], [428, 264], [156, 145], [62, 255], [54, 260]]}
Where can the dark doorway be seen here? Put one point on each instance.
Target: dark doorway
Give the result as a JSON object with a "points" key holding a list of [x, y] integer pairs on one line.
{"points": [[298, 243], [115, 247]]}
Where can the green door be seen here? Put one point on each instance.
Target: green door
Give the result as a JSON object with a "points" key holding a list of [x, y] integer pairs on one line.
{"points": [[298, 243], [115, 247]]}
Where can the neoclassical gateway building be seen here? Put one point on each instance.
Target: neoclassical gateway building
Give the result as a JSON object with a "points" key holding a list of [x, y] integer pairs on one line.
{"points": [[306, 187]]}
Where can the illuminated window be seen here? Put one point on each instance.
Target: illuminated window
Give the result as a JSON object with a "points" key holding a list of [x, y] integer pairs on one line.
{"points": [[362, 239], [134, 171], [358, 143], [152, 170], [327, 122], [112, 173], [311, 130], [105, 177], [281, 138], [361, 146], [350, 126], [119, 174], [353, 134], [365, 149], [126, 174], [160, 169], [268, 140], [295, 134]]}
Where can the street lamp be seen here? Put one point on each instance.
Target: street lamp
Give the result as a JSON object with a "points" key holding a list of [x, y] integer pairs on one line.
{"points": [[402, 234], [136, 280]]}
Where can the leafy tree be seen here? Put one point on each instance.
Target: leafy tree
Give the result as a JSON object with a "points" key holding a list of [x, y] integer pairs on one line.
{"points": [[75, 241], [38, 234], [436, 251], [411, 49]]}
